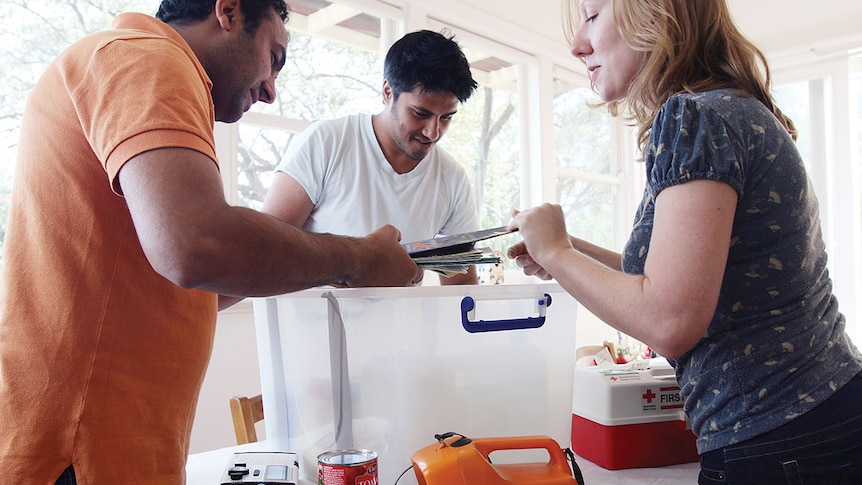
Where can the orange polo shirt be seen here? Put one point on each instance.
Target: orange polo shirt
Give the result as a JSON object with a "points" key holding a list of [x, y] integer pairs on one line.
{"points": [[101, 358]]}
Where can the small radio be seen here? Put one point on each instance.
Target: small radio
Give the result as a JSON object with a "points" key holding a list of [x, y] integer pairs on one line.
{"points": [[262, 468]]}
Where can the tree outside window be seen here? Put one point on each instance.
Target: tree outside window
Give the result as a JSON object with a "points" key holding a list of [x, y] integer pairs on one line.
{"points": [[588, 186], [320, 80]]}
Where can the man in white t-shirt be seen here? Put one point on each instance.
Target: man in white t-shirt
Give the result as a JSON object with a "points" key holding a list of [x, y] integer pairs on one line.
{"points": [[350, 175]]}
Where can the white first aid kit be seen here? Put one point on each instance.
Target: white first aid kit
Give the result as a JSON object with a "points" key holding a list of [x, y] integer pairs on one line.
{"points": [[630, 416]]}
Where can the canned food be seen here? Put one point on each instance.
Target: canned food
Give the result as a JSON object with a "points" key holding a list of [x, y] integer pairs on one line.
{"points": [[347, 467]]}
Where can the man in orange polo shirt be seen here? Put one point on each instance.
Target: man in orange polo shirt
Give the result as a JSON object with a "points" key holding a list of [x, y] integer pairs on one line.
{"points": [[120, 241]]}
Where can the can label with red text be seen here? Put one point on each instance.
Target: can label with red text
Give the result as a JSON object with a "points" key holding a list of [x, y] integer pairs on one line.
{"points": [[347, 467]]}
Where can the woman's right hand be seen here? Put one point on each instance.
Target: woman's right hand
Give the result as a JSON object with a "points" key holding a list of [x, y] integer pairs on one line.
{"points": [[543, 230], [522, 258]]}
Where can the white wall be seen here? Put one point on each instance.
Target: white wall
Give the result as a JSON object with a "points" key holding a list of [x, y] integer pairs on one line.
{"points": [[233, 371]]}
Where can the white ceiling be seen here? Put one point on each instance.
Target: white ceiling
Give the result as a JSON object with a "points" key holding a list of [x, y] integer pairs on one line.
{"points": [[776, 26]]}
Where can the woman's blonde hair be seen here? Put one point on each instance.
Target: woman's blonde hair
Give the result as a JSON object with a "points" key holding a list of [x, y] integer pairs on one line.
{"points": [[688, 46]]}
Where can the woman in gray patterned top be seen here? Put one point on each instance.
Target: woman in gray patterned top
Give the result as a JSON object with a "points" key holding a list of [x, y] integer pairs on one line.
{"points": [[725, 270]]}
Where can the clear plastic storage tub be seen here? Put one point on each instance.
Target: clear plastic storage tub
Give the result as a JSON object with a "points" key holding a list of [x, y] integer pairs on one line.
{"points": [[403, 364]]}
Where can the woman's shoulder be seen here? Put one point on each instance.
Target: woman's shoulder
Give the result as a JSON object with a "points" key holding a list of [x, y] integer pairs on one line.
{"points": [[725, 101], [731, 107]]}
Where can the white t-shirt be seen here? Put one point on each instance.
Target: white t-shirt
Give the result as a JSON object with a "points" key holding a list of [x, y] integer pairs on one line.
{"points": [[355, 191]]}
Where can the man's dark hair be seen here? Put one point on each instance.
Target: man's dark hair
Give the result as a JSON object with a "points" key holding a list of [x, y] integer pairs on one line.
{"points": [[431, 60], [189, 11]]}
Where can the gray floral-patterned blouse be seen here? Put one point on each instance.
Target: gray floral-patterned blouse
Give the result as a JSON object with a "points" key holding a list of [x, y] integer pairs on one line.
{"points": [[776, 346]]}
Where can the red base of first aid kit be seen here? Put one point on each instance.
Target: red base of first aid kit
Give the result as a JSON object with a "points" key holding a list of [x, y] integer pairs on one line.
{"points": [[626, 418]]}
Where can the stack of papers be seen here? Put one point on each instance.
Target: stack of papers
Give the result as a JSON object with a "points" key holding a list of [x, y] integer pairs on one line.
{"points": [[451, 255]]}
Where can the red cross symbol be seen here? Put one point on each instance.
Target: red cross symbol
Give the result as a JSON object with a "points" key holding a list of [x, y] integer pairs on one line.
{"points": [[649, 396]]}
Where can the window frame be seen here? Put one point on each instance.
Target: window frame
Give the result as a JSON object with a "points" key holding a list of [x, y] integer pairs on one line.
{"points": [[833, 171]]}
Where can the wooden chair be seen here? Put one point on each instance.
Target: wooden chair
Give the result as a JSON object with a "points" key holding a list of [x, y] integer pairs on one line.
{"points": [[246, 411]]}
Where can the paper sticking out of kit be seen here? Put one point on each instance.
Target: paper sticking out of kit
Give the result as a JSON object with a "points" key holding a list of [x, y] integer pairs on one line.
{"points": [[451, 255]]}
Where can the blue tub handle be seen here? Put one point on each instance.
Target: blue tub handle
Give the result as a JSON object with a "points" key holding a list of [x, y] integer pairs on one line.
{"points": [[468, 311]]}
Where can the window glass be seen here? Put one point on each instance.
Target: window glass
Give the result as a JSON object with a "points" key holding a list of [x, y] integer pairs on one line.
{"points": [[583, 132], [32, 34], [590, 208], [856, 89], [587, 187], [327, 79], [484, 138], [856, 140], [321, 79], [794, 100], [260, 150]]}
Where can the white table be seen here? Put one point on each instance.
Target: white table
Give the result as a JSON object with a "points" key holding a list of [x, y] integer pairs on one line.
{"points": [[206, 469]]}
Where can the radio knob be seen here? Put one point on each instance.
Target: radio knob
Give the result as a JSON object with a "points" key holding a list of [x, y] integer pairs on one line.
{"points": [[237, 471]]}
